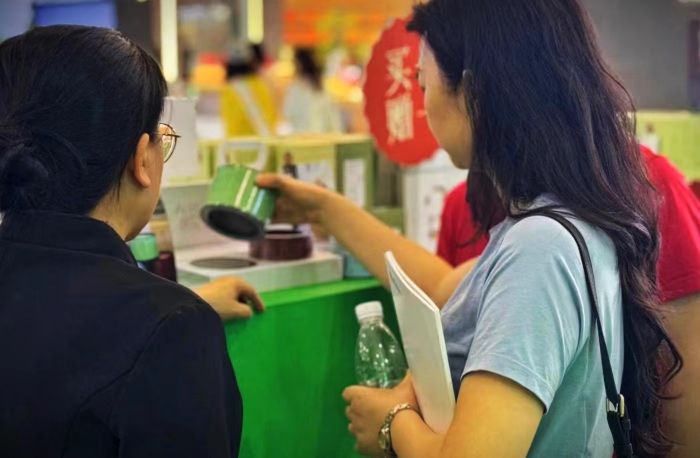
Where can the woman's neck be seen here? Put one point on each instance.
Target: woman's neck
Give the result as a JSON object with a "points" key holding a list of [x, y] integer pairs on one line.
{"points": [[108, 213]]}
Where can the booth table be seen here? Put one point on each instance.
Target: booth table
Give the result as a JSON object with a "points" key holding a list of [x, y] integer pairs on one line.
{"points": [[293, 362]]}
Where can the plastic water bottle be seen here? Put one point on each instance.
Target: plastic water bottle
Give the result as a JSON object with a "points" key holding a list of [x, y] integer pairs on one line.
{"points": [[379, 361]]}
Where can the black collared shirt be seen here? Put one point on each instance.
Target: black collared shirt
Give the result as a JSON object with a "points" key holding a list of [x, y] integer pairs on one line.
{"points": [[99, 358]]}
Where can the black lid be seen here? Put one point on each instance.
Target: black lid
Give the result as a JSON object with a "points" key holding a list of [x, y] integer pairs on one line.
{"points": [[232, 222]]}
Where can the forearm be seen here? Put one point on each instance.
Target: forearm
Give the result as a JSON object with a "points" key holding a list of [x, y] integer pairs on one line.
{"points": [[444, 290], [494, 416], [368, 239], [412, 438]]}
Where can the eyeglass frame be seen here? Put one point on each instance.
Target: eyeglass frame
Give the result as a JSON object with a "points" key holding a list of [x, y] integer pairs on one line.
{"points": [[173, 135]]}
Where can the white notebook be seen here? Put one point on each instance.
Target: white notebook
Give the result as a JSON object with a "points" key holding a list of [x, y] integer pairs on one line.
{"points": [[424, 346]]}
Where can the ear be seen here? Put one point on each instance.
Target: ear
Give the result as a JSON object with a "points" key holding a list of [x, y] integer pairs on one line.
{"points": [[140, 162]]}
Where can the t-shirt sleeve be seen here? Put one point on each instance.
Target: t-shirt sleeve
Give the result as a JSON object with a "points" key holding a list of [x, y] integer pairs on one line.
{"points": [[181, 398], [529, 326]]}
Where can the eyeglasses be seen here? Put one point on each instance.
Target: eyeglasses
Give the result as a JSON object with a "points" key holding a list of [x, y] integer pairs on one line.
{"points": [[169, 140]]}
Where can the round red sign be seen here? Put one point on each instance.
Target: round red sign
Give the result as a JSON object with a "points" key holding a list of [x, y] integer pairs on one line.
{"points": [[393, 99]]}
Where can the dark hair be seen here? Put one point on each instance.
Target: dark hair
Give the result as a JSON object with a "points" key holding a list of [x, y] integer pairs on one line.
{"points": [[548, 116], [236, 68], [74, 102], [257, 55], [308, 67]]}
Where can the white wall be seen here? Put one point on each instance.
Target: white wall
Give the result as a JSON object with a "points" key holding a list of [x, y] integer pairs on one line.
{"points": [[646, 43], [15, 17]]}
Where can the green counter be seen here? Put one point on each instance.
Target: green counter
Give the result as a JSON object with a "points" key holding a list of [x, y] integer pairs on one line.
{"points": [[292, 364]]}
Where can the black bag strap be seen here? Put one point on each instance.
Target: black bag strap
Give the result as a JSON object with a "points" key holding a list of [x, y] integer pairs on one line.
{"points": [[618, 416]]}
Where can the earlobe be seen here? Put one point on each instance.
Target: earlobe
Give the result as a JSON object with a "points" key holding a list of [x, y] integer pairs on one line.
{"points": [[140, 161]]}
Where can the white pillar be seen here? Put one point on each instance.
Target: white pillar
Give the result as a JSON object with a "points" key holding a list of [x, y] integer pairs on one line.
{"points": [[168, 40]]}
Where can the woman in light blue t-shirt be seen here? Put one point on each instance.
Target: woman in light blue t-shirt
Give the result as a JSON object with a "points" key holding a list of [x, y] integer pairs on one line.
{"points": [[517, 92]]}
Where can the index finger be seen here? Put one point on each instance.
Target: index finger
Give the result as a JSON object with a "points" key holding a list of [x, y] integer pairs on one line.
{"points": [[270, 181], [248, 292]]}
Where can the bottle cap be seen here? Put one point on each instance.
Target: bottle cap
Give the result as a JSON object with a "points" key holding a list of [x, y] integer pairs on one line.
{"points": [[144, 247], [369, 310]]}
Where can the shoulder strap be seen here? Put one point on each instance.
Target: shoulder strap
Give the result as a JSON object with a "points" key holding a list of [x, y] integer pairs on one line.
{"points": [[618, 418]]}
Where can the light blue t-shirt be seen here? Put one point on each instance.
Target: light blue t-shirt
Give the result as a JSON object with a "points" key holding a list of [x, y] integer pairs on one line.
{"points": [[524, 314]]}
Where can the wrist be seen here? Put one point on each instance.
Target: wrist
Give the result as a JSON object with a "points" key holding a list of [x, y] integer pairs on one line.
{"points": [[329, 203], [385, 436], [404, 425]]}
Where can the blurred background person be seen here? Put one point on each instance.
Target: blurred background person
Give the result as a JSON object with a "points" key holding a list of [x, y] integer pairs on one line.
{"points": [[307, 107], [247, 102]]}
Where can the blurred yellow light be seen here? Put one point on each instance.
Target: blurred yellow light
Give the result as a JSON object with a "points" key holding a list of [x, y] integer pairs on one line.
{"points": [[356, 95], [168, 40], [255, 21]]}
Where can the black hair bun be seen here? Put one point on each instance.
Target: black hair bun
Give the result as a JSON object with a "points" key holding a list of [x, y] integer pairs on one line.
{"points": [[24, 180]]}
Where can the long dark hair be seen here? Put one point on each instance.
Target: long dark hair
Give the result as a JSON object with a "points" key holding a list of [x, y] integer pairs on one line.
{"points": [[308, 67], [74, 102], [548, 116]]}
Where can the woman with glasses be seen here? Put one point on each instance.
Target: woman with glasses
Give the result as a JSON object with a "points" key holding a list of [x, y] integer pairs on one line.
{"points": [[98, 357], [168, 139]]}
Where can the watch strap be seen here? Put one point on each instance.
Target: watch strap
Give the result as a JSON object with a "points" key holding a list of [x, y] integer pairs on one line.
{"points": [[385, 431]]}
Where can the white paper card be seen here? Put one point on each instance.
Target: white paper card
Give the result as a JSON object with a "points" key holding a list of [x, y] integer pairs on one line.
{"points": [[424, 346]]}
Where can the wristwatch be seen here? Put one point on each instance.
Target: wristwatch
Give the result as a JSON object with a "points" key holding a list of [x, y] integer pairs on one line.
{"points": [[385, 431]]}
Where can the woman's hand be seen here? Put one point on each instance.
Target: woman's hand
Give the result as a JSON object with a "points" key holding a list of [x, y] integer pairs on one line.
{"points": [[232, 298], [367, 409], [299, 202]]}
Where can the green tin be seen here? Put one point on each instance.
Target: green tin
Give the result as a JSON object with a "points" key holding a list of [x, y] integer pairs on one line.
{"points": [[236, 206], [144, 247]]}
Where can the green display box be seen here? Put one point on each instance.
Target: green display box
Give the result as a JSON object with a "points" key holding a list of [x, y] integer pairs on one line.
{"points": [[355, 168], [308, 158], [254, 152], [293, 362], [208, 151], [391, 216], [344, 163]]}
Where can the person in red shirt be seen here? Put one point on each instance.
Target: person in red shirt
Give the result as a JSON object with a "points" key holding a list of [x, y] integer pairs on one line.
{"points": [[679, 224], [458, 238], [678, 276]]}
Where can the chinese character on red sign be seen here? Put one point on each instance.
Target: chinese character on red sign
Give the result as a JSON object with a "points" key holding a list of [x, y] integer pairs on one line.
{"points": [[399, 74], [399, 118], [393, 103]]}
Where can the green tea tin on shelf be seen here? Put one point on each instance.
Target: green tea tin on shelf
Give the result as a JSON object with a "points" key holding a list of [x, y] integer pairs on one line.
{"points": [[236, 207]]}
